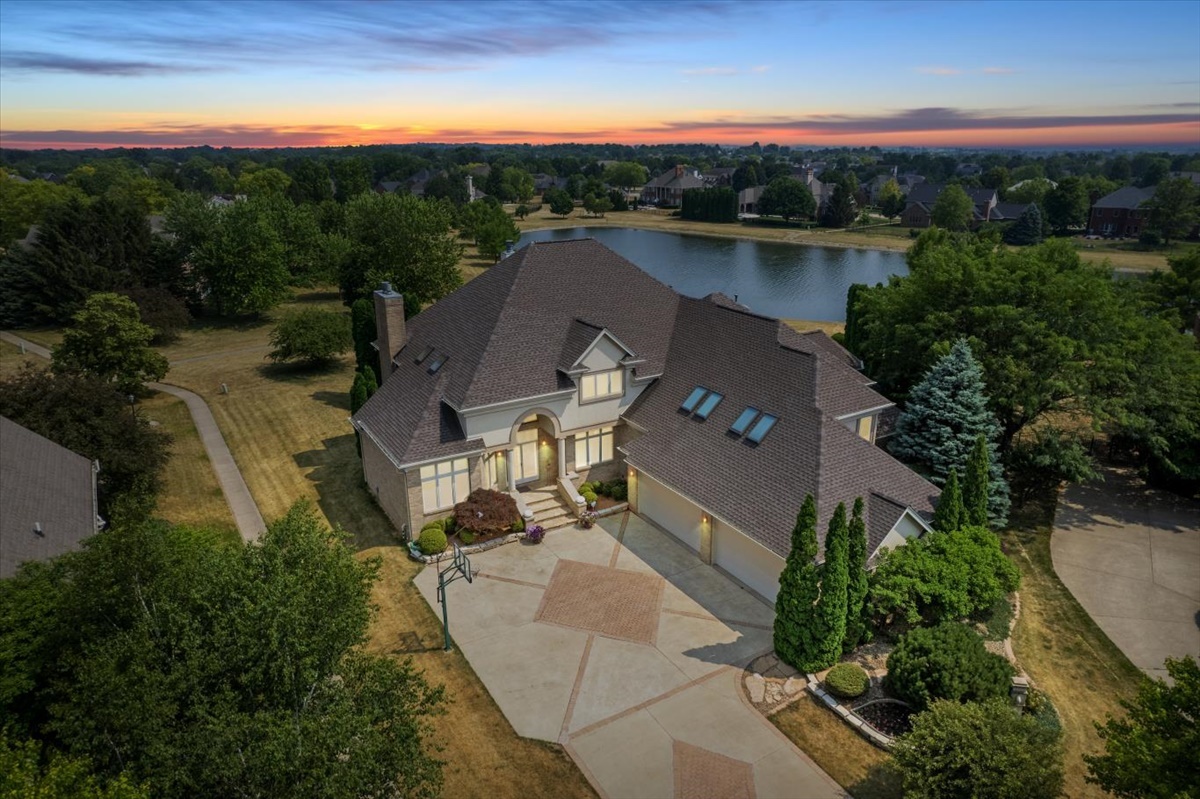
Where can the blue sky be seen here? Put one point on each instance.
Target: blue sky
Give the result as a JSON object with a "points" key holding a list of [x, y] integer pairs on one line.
{"points": [[288, 72]]}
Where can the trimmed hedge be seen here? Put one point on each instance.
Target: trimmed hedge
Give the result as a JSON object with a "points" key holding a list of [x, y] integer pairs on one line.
{"points": [[467, 537], [432, 540], [847, 681]]}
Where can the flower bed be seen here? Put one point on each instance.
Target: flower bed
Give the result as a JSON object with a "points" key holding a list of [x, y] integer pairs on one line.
{"points": [[890, 716]]}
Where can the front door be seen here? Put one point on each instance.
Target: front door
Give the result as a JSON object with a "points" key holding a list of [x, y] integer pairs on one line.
{"points": [[525, 456]]}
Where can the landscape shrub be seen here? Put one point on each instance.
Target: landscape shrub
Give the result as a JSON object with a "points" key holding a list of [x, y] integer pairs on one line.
{"points": [[1042, 710], [449, 525], [847, 681], [311, 335], [995, 619], [941, 576], [620, 492], [432, 541], [945, 662], [486, 512], [466, 537], [589, 496], [587, 486], [535, 533], [436, 524], [518, 526]]}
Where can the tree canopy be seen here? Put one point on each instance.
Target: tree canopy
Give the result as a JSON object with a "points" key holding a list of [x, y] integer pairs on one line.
{"points": [[109, 342], [787, 197], [1174, 208], [953, 209], [312, 334], [203, 669], [1151, 751], [979, 749]]}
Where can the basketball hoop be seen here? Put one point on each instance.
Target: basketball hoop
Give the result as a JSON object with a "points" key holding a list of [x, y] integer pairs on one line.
{"points": [[460, 566]]}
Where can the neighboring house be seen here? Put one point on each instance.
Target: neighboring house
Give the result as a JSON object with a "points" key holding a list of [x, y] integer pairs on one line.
{"points": [[748, 199], [47, 498], [388, 186], [1194, 177], [543, 183], [667, 189], [807, 175], [876, 184], [719, 176], [968, 170], [721, 420], [922, 196], [1120, 213]]}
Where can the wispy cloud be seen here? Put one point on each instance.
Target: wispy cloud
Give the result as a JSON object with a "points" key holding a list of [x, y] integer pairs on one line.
{"points": [[761, 68], [31, 61], [938, 71], [710, 71], [997, 70]]}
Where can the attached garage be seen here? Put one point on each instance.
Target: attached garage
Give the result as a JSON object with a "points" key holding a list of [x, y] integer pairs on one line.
{"points": [[745, 559], [668, 510]]}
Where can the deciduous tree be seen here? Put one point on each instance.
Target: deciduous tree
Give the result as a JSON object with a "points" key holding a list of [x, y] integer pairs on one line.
{"points": [[560, 202], [953, 209], [244, 261], [311, 335], [1173, 208], [788, 198], [108, 341], [979, 749], [1067, 205], [1151, 751]]}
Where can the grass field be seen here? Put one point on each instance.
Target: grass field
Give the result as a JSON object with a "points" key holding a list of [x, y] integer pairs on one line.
{"points": [[859, 767], [1065, 653], [892, 237], [191, 494], [11, 359]]}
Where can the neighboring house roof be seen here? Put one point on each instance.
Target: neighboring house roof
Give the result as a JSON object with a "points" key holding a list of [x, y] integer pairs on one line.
{"points": [[681, 177], [927, 193], [514, 332], [389, 186], [1006, 211], [750, 194], [42, 486], [1127, 197], [759, 488]]}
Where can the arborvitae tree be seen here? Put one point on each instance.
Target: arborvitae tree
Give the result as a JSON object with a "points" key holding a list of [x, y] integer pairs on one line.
{"points": [[949, 515], [975, 486], [798, 591], [362, 327], [369, 380], [831, 607], [853, 330], [946, 412], [857, 631], [358, 392], [1027, 229]]}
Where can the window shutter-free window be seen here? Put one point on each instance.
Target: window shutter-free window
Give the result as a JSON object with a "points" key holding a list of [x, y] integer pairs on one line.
{"points": [[593, 446], [444, 484]]}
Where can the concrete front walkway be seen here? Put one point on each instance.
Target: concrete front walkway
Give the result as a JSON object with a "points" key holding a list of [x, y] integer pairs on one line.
{"points": [[241, 504], [1131, 556], [618, 643]]}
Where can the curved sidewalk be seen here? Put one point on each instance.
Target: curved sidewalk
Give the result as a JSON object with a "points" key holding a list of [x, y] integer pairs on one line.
{"points": [[237, 495]]}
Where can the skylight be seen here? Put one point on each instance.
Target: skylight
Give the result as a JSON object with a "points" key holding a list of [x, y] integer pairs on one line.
{"points": [[425, 353], [743, 421], [706, 407], [437, 362], [761, 428], [689, 404]]}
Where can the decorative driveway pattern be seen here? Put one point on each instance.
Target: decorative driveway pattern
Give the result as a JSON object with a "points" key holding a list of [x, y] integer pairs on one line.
{"points": [[612, 602], [1131, 556], [619, 644]]}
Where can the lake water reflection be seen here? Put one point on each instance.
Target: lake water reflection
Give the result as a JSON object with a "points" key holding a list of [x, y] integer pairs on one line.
{"points": [[782, 280]]}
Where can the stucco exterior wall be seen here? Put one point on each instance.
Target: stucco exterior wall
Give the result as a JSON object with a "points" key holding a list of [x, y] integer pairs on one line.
{"points": [[904, 529]]}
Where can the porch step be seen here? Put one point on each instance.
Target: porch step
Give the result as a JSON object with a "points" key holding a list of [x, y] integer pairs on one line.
{"points": [[557, 522], [541, 505]]}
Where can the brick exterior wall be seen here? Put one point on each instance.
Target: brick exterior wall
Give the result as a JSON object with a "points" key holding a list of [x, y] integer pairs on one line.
{"points": [[602, 471], [1117, 221], [385, 483]]}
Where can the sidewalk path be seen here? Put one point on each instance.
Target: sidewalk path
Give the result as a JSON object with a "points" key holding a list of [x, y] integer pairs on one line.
{"points": [[241, 504]]}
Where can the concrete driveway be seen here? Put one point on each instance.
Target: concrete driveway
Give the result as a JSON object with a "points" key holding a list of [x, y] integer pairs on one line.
{"points": [[1131, 556], [618, 643]]}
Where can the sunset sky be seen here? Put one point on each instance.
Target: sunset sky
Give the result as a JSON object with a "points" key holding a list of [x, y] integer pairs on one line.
{"points": [[291, 73]]}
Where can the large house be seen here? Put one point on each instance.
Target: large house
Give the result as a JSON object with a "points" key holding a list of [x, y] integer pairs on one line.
{"points": [[1120, 213], [47, 498], [565, 362], [667, 189], [988, 208]]}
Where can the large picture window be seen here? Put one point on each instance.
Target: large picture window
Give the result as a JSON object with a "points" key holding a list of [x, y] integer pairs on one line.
{"points": [[593, 446], [601, 385], [445, 483]]}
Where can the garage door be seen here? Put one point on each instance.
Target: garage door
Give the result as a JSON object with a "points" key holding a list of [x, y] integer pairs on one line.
{"points": [[747, 560], [669, 510]]}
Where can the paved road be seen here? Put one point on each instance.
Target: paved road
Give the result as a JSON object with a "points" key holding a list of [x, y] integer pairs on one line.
{"points": [[1131, 556], [241, 504], [619, 644]]}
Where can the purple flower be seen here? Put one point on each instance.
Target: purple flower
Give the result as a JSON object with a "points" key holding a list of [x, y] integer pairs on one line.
{"points": [[535, 533]]}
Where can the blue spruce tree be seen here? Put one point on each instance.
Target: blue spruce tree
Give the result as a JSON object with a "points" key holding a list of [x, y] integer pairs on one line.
{"points": [[944, 416]]}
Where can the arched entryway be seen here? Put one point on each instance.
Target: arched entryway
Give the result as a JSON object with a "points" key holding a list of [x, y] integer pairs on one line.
{"points": [[532, 459]]}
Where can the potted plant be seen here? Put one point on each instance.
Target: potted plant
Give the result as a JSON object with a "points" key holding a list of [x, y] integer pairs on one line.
{"points": [[587, 519], [534, 533]]}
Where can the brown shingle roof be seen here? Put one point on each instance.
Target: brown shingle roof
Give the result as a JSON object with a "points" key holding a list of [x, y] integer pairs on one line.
{"points": [[41, 484]]}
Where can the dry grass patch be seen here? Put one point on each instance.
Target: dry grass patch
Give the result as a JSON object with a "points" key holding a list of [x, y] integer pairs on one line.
{"points": [[805, 325], [485, 755], [191, 494], [11, 359], [859, 767], [1065, 652]]}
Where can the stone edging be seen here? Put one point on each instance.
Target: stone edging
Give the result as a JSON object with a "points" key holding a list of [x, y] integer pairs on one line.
{"points": [[849, 716], [620, 507]]}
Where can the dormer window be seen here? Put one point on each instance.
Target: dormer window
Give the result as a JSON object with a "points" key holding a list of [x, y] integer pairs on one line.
{"points": [[601, 385]]}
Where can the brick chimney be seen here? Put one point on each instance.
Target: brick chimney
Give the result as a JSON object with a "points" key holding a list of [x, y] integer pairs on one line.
{"points": [[679, 170], [390, 329]]}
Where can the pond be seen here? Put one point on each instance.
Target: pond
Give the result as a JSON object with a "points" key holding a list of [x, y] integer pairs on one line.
{"points": [[787, 281]]}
